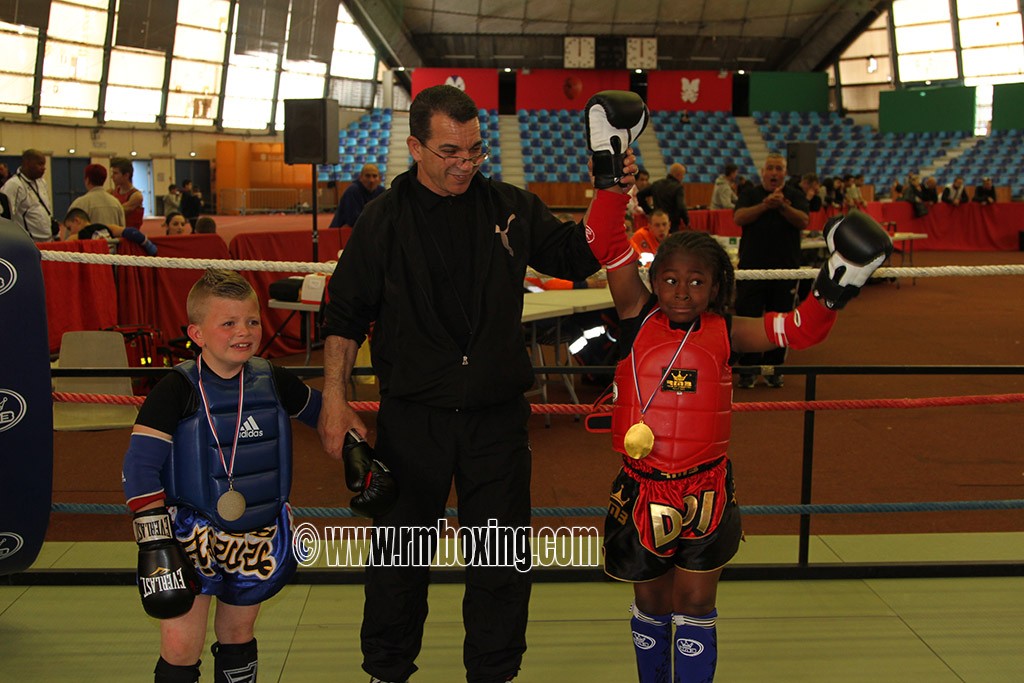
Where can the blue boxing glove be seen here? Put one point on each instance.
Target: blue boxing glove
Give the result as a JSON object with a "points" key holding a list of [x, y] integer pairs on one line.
{"points": [[135, 235], [614, 119]]}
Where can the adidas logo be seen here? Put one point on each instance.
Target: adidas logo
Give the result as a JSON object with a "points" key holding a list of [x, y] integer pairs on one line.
{"points": [[250, 429]]}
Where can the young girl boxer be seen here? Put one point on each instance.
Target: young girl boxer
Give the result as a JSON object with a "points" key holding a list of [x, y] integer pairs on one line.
{"points": [[673, 521]]}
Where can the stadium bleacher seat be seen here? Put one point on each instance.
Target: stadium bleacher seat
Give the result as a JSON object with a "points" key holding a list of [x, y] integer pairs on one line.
{"points": [[361, 142]]}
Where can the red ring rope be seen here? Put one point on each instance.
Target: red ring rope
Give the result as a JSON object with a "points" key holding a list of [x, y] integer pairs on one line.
{"points": [[579, 409]]}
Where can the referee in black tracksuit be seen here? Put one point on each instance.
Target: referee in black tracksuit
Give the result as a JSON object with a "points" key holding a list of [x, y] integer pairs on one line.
{"points": [[437, 265], [772, 216]]}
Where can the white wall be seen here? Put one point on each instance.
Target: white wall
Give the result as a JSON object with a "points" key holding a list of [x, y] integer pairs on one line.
{"points": [[106, 142]]}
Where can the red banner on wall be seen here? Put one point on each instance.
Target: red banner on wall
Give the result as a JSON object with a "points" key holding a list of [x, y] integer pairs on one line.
{"points": [[689, 90], [564, 88], [480, 84]]}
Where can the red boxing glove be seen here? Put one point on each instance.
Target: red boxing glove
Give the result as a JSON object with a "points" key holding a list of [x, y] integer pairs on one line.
{"points": [[606, 231], [806, 326]]}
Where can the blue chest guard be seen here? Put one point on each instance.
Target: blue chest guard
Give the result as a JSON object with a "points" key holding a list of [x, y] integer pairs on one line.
{"points": [[194, 475]]}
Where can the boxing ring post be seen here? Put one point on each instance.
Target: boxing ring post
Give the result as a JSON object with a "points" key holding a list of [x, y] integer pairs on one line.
{"points": [[807, 472]]}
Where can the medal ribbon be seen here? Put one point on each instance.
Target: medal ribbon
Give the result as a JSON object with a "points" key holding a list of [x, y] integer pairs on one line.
{"points": [[636, 380], [228, 467]]}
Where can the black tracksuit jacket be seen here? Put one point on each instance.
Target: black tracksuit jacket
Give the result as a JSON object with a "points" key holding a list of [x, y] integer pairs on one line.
{"points": [[382, 278]]}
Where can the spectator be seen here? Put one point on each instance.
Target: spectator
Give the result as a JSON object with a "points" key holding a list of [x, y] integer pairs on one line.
{"points": [[191, 204], [772, 216], [724, 195], [637, 213], [896, 189], [823, 193], [929, 192], [366, 188], [647, 240], [205, 226], [854, 198], [127, 194], [669, 195], [985, 193], [172, 200], [81, 227], [913, 193], [837, 193], [5, 203], [175, 224], [30, 200], [956, 194], [97, 202], [809, 185]]}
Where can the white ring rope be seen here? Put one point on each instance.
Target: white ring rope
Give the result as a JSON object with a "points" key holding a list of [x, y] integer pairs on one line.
{"points": [[930, 271], [189, 263], [328, 268]]}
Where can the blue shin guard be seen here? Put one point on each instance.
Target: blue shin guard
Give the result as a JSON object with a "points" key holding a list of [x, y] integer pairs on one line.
{"points": [[652, 640], [696, 648]]}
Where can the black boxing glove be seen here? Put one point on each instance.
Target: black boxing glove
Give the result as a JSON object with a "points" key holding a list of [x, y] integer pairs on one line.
{"points": [[614, 119], [857, 246], [168, 582], [367, 476]]}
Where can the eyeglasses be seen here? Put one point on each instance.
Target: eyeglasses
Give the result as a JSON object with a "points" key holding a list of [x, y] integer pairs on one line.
{"points": [[452, 160]]}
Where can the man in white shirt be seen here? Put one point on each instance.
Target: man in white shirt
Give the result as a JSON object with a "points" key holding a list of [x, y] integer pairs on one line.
{"points": [[30, 198], [101, 206]]}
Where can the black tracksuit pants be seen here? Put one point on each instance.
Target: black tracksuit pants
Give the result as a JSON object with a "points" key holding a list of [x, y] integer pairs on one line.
{"points": [[486, 452]]}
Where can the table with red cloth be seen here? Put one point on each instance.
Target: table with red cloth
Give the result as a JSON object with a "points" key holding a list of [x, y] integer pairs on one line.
{"points": [[970, 227], [78, 296], [289, 245], [156, 296]]}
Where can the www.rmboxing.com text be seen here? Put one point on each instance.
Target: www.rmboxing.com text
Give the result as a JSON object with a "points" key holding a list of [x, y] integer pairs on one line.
{"points": [[446, 546]]}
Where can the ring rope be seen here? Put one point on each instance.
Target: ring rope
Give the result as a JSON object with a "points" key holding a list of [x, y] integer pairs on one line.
{"points": [[816, 508], [328, 268], [583, 409], [190, 263]]}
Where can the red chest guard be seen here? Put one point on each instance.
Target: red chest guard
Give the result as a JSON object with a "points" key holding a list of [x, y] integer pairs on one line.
{"points": [[691, 412]]}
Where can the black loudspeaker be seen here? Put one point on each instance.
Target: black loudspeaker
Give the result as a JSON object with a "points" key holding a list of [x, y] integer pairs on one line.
{"points": [[310, 131], [801, 158]]}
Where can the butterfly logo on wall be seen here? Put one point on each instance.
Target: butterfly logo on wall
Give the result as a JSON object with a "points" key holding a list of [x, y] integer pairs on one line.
{"points": [[690, 89], [456, 81]]}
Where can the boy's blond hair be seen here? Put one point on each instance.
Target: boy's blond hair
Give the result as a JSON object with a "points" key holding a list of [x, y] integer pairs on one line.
{"points": [[223, 284]]}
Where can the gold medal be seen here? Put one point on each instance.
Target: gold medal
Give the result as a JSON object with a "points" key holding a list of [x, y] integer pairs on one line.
{"points": [[231, 505], [639, 441]]}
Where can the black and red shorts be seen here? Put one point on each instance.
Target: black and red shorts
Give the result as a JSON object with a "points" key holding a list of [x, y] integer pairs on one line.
{"points": [[655, 523]]}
